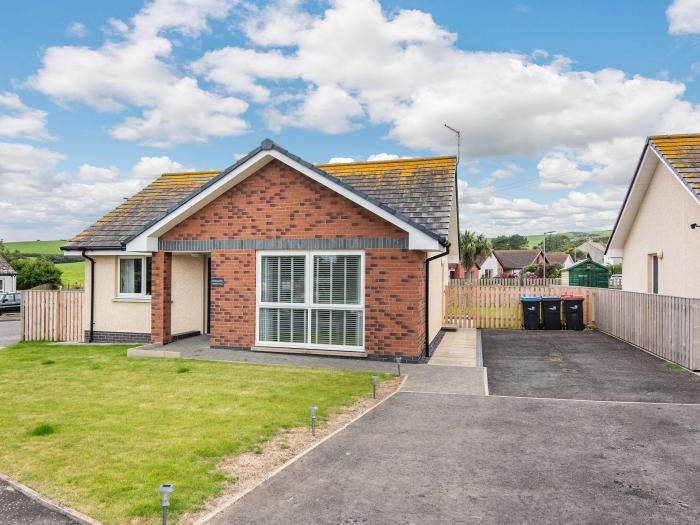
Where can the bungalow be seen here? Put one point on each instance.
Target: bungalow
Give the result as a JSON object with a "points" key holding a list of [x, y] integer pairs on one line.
{"points": [[276, 254], [657, 232], [8, 277], [596, 252], [512, 262], [561, 258]]}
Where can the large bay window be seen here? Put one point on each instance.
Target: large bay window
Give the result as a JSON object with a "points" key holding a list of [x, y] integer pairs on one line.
{"points": [[134, 276], [311, 299]]}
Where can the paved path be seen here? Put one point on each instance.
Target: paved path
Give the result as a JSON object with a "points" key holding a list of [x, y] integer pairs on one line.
{"points": [[9, 332], [18, 509], [456, 349]]}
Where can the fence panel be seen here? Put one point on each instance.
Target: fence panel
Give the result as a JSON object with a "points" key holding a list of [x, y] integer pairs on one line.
{"points": [[510, 281], [50, 315], [498, 306], [663, 325]]}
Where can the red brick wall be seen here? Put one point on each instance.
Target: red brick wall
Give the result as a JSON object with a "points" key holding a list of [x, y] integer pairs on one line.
{"points": [[161, 297], [279, 202]]}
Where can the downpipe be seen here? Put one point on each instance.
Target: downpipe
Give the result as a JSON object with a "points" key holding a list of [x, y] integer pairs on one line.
{"points": [[92, 296]]}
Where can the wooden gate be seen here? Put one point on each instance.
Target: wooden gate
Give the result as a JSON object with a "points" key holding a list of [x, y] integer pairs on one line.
{"points": [[50, 315]]}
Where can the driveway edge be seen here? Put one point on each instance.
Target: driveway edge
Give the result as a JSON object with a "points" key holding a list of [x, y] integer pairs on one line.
{"points": [[32, 494], [229, 503]]}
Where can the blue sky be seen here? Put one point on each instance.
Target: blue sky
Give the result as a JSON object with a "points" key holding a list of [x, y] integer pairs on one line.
{"points": [[554, 99]]}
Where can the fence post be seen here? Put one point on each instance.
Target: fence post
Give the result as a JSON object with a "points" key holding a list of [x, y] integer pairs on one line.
{"points": [[23, 298], [695, 336]]}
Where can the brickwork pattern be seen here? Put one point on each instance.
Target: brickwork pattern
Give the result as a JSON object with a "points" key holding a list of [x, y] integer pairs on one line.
{"points": [[118, 337], [161, 297]]}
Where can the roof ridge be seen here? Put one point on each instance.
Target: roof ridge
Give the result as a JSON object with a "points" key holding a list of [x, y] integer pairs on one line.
{"points": [[674, 136], [387, 161], [170, 173]]}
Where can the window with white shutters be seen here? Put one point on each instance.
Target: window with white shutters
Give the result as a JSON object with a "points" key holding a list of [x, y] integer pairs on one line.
{"points": [[311, 299]]}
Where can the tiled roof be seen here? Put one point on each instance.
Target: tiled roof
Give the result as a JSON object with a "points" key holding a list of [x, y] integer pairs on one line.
{"points": [[5, 268], [556, 257], [480, 260], [515, 259], [682, 152], [418, 191], [130, 217]]}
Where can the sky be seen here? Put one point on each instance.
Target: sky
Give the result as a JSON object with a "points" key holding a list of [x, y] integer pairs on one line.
{"points": [[553, 99]]}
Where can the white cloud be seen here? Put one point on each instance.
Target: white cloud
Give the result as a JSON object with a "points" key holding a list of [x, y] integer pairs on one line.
{"points": [[382, 156], [340, 160], [95, 173], [77, 30], [134, 68], [557, 171], [46, 203], [20, 121], [684, 17], [506, 171]]}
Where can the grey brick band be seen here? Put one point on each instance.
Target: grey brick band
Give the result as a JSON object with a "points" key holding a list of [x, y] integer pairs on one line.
{"points": [[118, 337]]}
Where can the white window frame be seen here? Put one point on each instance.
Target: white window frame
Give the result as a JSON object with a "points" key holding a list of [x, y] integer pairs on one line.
{"points": [[308, 304], [144, 278], [2, 284]]}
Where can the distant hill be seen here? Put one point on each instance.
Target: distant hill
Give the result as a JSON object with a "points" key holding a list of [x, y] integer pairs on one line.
{"points": [[535, 240], [42, 247]]}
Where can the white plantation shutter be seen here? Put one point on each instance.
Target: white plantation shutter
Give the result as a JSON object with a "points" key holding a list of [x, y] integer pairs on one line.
{"points": [[337, 279], [336, 327], [282, 325]]}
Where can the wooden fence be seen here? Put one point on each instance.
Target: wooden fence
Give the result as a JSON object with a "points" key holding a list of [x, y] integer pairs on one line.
{"points": [[499, 306], [50, 315], [663, 325], [510, 281]]}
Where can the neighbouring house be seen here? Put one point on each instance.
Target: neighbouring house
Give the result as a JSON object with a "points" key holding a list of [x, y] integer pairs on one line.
{"points": [[561, 258], [484, 267], [8, 277], [596, 252], [657, 232], [277, 254], [457, 271], [512, 262]]}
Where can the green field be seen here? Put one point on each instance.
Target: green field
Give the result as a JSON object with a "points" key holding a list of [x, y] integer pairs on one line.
{"points": [[88, 427], [73, 275], [42, 247], [534, 241]]}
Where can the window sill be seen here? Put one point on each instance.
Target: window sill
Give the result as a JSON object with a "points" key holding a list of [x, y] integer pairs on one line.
{"points": [[142, 299]]}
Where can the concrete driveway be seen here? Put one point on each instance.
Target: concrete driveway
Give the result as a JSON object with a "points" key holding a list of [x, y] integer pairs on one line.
{"points": [[18, 509], [424, 457], [9, 332]]}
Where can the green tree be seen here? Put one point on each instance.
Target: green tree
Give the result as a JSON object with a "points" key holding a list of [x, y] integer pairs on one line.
{"points": [[35, 272], [614, 268], [553, 270], [509, 242], [557, 242], [471, 246]]}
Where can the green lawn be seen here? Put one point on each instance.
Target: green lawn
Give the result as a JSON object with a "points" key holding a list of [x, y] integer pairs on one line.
{"points": [[43, 247], [73, 274], [85, 426]]}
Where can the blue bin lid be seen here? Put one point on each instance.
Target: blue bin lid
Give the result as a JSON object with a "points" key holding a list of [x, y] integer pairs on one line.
{"points": [[526, 298]]}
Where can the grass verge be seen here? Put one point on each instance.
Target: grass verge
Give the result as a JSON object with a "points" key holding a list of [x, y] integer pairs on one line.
{"points": [[99, 432]]}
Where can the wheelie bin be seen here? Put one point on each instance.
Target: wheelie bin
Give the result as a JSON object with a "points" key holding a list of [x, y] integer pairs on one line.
{"points": [[573, 311], [531, 312], [551, 313]]}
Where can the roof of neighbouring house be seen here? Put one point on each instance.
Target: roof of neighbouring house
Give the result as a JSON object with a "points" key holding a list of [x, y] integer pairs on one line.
{"points": [[5, 268], [585, 261], [594, 244], [515, 259], [557, 257], [417, 191], [682, 153], [480, 259]]}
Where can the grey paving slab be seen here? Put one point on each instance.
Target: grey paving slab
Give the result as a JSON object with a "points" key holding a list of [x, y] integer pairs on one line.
{"points": [[446, 380], [580, 365], [18, 509], [9, 332], [436, 459]]}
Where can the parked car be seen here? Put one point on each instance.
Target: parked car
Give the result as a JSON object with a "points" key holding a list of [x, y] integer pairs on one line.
{"points": [[10, 302]]}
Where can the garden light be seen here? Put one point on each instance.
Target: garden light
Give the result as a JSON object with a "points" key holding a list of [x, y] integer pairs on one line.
{"points": [[374, 386], [398, 364], [165, 490], [313, 411]]}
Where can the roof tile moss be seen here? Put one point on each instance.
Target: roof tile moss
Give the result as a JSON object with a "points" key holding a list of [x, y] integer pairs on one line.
{"points": [[682, 152]]}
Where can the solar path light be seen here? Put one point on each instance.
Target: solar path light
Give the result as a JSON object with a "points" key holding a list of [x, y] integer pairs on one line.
{"points": [[313, 411], [165, 490], [374, 386], [398, 364]]}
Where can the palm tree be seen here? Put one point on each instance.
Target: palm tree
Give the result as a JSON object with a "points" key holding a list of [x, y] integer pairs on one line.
{"points": [[472, 246]]}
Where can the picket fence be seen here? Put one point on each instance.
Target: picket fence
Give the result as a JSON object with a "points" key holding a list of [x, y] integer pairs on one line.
{"points": [[498, 281], [497, 306], [52, 315]]}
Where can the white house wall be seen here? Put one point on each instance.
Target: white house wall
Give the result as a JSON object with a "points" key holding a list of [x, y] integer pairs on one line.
{"points": [[663, 224], [489, 264], [439, 277], [9, 283]]}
